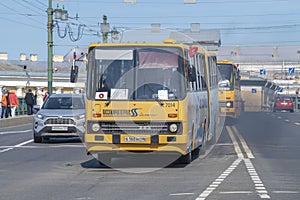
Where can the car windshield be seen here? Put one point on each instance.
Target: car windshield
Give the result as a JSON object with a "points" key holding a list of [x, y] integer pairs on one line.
{"points": [[64, 103]]}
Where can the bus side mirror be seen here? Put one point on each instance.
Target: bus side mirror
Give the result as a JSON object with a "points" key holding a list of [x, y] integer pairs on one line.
{"points": [[74, 74], [192, 74]]}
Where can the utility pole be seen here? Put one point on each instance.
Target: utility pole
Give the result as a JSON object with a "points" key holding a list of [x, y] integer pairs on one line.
{"points": [[50, 45], [105, 29]]}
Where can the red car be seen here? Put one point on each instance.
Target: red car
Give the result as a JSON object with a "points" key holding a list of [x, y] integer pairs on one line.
{"points": [[283, 103]]}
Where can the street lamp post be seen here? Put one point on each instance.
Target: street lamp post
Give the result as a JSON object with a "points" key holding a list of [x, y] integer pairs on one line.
{"points": [[105, 30], [50, 45], [60, 14]]}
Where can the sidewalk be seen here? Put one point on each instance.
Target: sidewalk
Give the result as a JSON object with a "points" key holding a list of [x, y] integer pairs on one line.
{"points": [[18, 120]]}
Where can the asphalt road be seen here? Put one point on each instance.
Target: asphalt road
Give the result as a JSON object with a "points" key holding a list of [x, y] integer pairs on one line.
{"points": [[258, 158]]}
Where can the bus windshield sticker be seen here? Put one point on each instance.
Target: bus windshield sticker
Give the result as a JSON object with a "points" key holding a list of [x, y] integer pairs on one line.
{"points": [[101, 95], [119, 93], [163, 94], [113, 54]]}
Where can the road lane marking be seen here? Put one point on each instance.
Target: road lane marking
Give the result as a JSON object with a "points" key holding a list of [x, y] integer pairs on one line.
{"points": [[235, 143], [181, 194], [236, 192], [43, 147], [286, 192], [244, 144], [11, 132], [260, 190], [216, 183], [296, 123], [259, 186], [18, 145]]}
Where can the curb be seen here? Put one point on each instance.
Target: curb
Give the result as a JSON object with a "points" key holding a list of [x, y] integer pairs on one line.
{"points": [[18, 120]]}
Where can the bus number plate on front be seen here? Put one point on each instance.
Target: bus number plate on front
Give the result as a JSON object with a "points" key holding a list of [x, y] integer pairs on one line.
{"points": [[134, 139]]}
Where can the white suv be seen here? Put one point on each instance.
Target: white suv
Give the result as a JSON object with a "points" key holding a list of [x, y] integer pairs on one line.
{"points": [[62, 115]]}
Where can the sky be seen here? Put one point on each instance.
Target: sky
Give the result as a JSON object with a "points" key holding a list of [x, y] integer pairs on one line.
{"points": [[241, 22]]}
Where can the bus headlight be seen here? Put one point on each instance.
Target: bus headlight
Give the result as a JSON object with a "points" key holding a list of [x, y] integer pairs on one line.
{"points": [[173, 128], [95, 127], [229, 104]]}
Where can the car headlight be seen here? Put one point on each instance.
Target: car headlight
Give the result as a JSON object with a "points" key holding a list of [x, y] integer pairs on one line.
{"points": [[40, 116], [95, 127], [173, 128]]}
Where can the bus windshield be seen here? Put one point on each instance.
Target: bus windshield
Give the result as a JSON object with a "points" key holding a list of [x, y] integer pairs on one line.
{"points": [[135, 73], [226, 76]]}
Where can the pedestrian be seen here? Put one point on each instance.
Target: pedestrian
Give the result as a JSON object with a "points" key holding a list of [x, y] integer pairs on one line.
{"points": [[4, 104], [29, 100], [39, 97], [14, 103], [8, 109], [46, 96]]}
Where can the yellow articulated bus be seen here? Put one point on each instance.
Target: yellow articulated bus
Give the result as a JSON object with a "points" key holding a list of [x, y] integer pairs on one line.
{"points": [[149, 97], [230, 101]]}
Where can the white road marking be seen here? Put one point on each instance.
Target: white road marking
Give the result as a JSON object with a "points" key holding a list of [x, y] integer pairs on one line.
{"points": [[12, 132], [43, 147], [244, 144], [296, 123], [235, 143], [259, 186], [287, 120], [219, 180], [286, 192], [181, 194], [18, 145], [224, 144], [236, 192]]}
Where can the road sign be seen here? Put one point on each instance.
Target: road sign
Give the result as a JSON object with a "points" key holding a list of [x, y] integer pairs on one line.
{"points": [[291, 70], [253, 90], [262, 71], [280, 89]]}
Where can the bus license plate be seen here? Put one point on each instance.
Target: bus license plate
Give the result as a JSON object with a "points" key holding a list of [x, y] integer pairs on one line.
{"points": [[134, 139]]}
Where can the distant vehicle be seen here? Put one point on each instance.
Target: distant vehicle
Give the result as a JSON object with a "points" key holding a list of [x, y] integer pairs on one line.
{"points": [[230, 100], [283, 103], [62, 115]]}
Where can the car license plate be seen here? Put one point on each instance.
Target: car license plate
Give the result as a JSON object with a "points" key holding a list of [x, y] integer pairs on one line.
{"points": [[134, 139], [59, 128]]}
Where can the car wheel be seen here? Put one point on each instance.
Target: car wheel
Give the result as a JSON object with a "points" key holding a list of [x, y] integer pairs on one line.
{"points": [[37, 139]]}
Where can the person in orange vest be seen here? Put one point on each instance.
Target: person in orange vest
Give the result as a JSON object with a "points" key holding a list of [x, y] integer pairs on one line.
{"points": [[4, 104], [14, 102]]}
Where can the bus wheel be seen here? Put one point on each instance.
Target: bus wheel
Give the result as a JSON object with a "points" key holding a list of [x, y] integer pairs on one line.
{"points": [[186, 159]]}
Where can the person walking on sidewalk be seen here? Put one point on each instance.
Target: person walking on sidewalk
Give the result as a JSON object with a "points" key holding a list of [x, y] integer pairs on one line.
{"points": [[29, 99], [4, 104], [14, 103]]}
